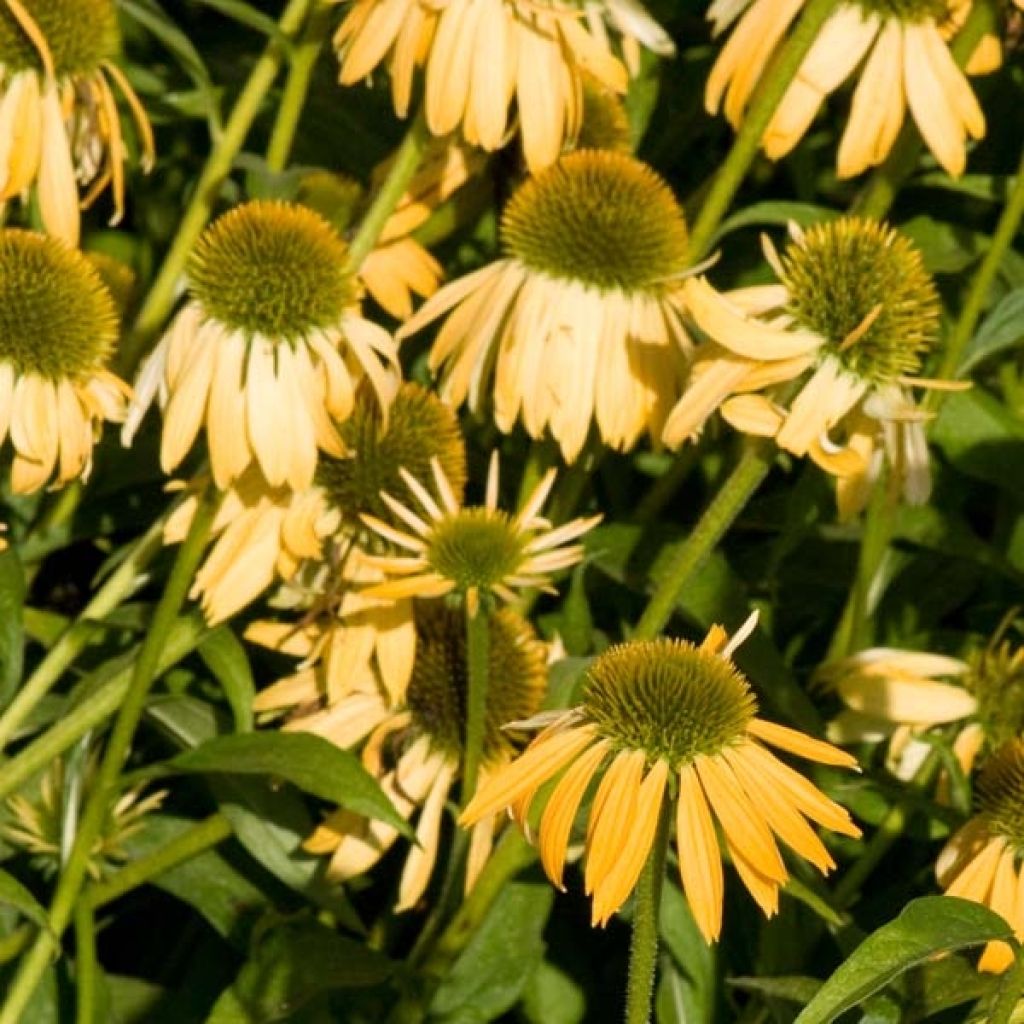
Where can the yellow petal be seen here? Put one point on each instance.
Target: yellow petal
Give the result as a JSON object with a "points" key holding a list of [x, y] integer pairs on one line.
{"points": [[700, 863]]}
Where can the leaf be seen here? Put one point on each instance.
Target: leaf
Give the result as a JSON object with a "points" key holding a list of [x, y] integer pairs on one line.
{"points": [[310, 762], [1002, 329], [689, 989], [14, 894], [12, 628], [776, 213], [292, 965], [225, 657], [927, 926], [793, 987], [552, 996]]}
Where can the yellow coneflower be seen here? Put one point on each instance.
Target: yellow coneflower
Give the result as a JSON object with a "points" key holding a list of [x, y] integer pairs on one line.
{"points": [[478, 57], [59, 122], [668, 717], [981, 862], [268, 351], [848, 326], [38, 822], [58, 330], [415, 749], [902, 47], [473, 551], [579, 322]]}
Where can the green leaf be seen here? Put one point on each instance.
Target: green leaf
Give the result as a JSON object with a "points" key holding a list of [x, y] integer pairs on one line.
{"points": [[927, 927], [14, 894], [687, 991], [12, 628], [552, 996], [796, 988], [776, 213], [1001, 330], [225, 657], [292, 965], [310, 762]]}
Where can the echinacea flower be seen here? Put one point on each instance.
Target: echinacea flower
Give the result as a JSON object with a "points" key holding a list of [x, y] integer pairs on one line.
{"points": [[846, 330], [269, 350], [982, 861], [476, 552], [901, 48], [478, 56], [59, 122], [58, 331], [668, 719], [415, 749], [579, 321]]}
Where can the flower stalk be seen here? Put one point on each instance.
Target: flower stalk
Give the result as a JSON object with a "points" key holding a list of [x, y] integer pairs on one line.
{"points": [[477, 663]]}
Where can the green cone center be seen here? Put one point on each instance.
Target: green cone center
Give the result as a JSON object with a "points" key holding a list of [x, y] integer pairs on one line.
{"points": [[908, 11], [996, 679], [272, 269], [81, 34], [667, 698], [999, 792], [476, 547]]}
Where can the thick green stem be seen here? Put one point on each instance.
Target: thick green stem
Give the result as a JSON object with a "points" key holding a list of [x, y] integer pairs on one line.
{"points": [[296, 86], [86, 966], [880, 193], [121, 583], [404, 165], [981, 284], [218, 165], [643, 949], [753, 466], [106, 784], [478, 654], [770, 91]]}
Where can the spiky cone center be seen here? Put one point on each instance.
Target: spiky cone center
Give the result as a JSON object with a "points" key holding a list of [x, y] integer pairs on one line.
{"points": [[599, 218], [999, 793], [80, 35], [995, 677], [910, 12], [605, 122], [57, 318], [272, 269], [419, 428], [440, 679], [336, 197], [668, 698], [476, 548], [862, 286]]}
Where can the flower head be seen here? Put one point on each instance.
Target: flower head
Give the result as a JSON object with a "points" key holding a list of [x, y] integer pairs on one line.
{"points": [[667, 717], [579, 320], [474, 551], [269, 350], [59, 122], [900, 47], [846, 331], [415, 749], [982, 861], [58, 330]]}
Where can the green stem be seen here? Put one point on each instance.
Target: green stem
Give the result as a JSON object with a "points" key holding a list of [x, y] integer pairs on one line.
{"points": [[753, 466], [218, 165], [86, 967], [769, 93], [106, 784], [121, 583], [478, 654], [981, 283], [643, 949], [200, 837], [296, 86], [880, 193], [404, 165]]}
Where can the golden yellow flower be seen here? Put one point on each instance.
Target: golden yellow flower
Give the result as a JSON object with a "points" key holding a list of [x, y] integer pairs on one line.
{"points": [[902, 51], [667, 717], [478, 57], [474, 551], [58, 330], [59, 122], [579, 322], [269, 350], [415, 749], [846, 331], [982, 861]]}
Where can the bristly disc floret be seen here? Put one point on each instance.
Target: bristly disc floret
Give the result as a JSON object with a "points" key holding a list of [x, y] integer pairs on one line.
{"points": [[419, 427], [336, 197], [272, 269], [995, 677], [907, 11], [863, 287], [999, 792], [597, 217], [57, 318], [81, 35], [668, 698], [476, 548], [437, 690]]}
